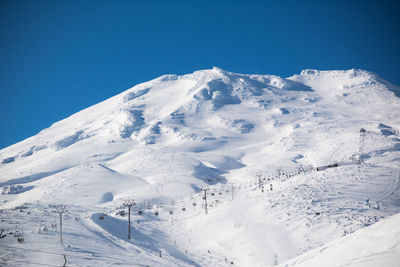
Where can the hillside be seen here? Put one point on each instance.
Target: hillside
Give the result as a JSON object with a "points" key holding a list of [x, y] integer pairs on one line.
{"points": [[254, 141]]}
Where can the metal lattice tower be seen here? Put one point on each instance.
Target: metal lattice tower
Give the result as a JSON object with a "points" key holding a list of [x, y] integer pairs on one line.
{"points": [[362, 139]]}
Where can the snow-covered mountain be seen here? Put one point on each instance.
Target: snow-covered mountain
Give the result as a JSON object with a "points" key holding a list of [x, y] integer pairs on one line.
{"points": [[254, 140]]}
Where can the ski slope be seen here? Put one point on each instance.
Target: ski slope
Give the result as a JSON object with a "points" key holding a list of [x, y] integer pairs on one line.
{"points": [[253, 141], [376, 245]]}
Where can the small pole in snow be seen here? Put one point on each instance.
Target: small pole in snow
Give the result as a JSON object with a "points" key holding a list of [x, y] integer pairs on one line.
{"points": [[275, 259], [129, 203], [205, 189], [65, 260], [60, 209]]}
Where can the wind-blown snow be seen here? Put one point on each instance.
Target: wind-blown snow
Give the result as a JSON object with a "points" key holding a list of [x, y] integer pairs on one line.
{"points": [[160, 142]]}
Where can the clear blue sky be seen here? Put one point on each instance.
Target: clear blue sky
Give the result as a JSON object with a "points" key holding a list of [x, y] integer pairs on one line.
{"points": [[58, 57]]}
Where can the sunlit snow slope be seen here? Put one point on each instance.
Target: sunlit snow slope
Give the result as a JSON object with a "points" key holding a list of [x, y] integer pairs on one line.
{"points": [[376, 245], [161, 141]]}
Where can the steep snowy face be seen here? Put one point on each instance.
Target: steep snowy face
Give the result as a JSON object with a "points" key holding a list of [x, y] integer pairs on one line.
{"points": [[206, 127]]}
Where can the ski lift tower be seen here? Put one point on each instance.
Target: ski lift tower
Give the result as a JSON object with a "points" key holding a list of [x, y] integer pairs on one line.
{"points": [[205, 189], [129, 203], [361, 148], [60, 209], [362, 139]]}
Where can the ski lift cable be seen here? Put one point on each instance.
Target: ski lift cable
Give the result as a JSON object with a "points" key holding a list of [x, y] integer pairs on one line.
{"points": [[29, 262], [69, 255], [33, 250]]}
